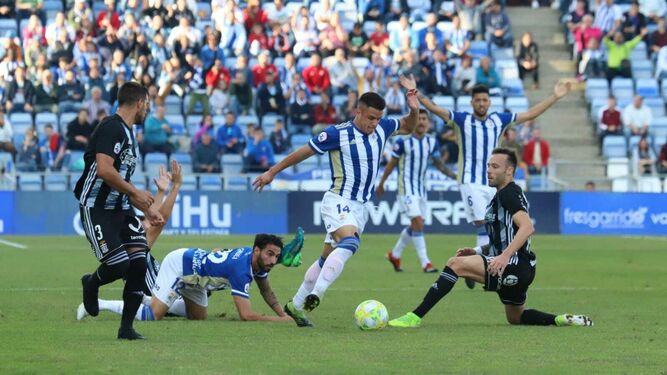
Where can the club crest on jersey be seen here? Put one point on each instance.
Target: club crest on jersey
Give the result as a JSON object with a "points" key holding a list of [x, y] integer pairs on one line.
{"points": [[127, 158], [322, 137], [510, 280], [116, 148], [490, 217]]}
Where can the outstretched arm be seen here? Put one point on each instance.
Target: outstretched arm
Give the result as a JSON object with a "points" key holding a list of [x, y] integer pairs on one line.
{"points": [[409, 122], [561, 89], [246, 313], [387, 172], [443, 168], [295, 157], [268, 295], [165, 207]]}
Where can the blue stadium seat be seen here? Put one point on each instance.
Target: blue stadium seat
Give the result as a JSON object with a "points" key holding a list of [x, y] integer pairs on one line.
{"points": [[208, 182], [203, 8], [657, 106], [43, 118], [502, 54], [185, 160], [633, 142], [244, 120], [139, 180], [311, 163], [478, 49], [517, 104], [658, 124], [189, 183], [338, 100], [30, 182], [299, 140], [596, 88], [76, 163], [6, 161], [647, 87], [231, 164], [172, 105], [56, 182], [177, 124], [64, 119], [237, 183], [507, 69], [8, 25], [614, 146], [153, 162], [622, 88], [513, 87], [642, 68], [446, 102]]}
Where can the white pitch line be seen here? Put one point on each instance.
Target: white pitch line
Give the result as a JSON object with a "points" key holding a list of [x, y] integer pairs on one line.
{"points": [[13, 244]]}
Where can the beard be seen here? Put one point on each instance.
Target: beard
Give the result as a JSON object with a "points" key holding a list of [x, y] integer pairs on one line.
{"points": [[139, 118]]}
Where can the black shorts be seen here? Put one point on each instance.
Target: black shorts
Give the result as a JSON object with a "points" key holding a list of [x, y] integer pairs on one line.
{"points": [[151, 274], [513, 284], [110, 232]]}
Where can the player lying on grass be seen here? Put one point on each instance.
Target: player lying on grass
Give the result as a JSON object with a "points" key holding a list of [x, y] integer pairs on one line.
{"points": [[289, 257], [506, 265]]}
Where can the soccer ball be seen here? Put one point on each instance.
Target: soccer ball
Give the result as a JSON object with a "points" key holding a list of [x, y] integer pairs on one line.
{"points": [[371, 315]]}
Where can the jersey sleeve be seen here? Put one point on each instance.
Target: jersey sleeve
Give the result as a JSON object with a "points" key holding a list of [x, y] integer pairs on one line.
{"points": [[390, 125], [399, 149], [109, 140], [326, 141], [456, 119], [262, 275], [240, 284], [506, 118], [513, 200]]}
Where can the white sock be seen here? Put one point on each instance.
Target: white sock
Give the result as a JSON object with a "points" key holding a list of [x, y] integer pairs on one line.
{"points": [[178, 308], [113, 306], [420, 245], [308, 283], [332, 268], [482, 236], [402, 242]]}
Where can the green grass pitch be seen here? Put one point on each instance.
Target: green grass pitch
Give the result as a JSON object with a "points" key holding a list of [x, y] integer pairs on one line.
{"points": [[619, 282]]}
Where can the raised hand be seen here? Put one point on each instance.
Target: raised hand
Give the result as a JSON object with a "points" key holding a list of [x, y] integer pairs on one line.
{"points": [[562, 88], [408, 83], [261, 181], [176, 175], [162, 182]]}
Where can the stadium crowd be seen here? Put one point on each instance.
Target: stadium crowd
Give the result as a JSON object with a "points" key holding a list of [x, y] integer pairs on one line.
{"points": [[257, 78]]}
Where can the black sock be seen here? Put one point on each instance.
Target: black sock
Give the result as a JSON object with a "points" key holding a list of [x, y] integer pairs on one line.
{"points": [[133, 292], [113, 268], [537, 318], [439, 289]]}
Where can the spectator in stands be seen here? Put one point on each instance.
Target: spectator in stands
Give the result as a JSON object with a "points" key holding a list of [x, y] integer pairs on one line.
{"points": [[108, 18], [449, 147], [45, 98], [536, 153], [618, 54], [29, 158], [637, 117], [211, 51], [342, 73], [95, 103], [79, 14], [644, 156], [260, 156], [101, 114], [7, 9], [323, 14], [510, 141], [301, 111], [291, 88], [249, 133], [315, 76], [233, 35], [217, 73], [205, 157], [253, 14], [590, 186], [156, 133], [349, 107], [258, 41], [229, 136], [333, 36], [270, 97], [18, 93], [653, 9], [180, 9], [662, 160], [395, 98], [10, 62], [79, 131], [278, 14], [196, 85], [471, 16], [427, 49], [289, 69], [379, 38], [324, 114], [358, 43], [279, 138], [609, 120], [52, 148], [464, 77], [263, 66], [57, 26], [6, 135], [608, 16], [205, 126], [70, 93], [400, 37], [661, 64], [440, 75], [240, 94], [593, 62], [219, 99], [498, 30], [658, 38], [419, 38], [486, 75], [184, 30], [280, 40], [633, 21], [373, 10], [33, 31], [412, 66], [529, 59], [306, 38], [457, 42], [575, 17]]}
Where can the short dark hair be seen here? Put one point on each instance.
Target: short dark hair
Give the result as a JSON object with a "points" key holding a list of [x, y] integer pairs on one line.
{"points": [[423, 111], [263, 239], [511, 155], [130, 93], [373, 100], [480, 89]]}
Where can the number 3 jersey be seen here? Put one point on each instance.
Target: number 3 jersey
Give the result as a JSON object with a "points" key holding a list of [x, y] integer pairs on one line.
{"points": [[222, 269]]}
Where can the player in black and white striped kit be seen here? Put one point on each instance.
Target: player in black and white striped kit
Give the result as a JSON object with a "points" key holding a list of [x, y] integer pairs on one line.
{"points": [[506, 265], [106, 197]]}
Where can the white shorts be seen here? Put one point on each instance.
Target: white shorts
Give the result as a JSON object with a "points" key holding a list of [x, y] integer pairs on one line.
{"points": [[338, 212], [169, 285], [412, 205], [476, 197]]}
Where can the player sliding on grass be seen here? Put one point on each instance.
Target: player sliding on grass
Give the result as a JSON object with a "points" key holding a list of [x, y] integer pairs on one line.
{"points": [[412, 154], [506, 265], [289, 257], [355, 149]]}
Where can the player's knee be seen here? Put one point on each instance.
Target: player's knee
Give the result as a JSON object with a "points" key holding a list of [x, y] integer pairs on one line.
{"points": [[121, 266], [417, 224], [455, 264]]}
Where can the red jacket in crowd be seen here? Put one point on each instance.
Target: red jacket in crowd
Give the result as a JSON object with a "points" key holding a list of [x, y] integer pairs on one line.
{"points": [[316, 79], [529, 152]]}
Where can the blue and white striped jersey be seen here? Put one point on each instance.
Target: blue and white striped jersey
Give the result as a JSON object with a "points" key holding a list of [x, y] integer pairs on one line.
{"points": [[477, 138], [215, 270], [354, 157], [413, 156]]}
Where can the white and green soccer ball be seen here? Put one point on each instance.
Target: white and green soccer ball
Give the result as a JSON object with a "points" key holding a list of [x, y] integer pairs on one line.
{"points": [[371, 315]]}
